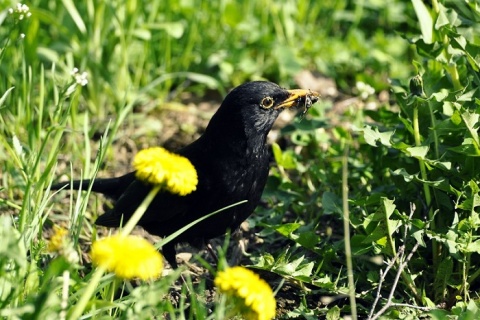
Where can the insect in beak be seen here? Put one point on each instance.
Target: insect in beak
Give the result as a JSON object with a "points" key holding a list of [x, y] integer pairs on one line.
{"points": [[308, 100]]}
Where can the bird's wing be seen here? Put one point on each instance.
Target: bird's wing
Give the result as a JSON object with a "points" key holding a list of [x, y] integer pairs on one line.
{"points": [[164, 207]]}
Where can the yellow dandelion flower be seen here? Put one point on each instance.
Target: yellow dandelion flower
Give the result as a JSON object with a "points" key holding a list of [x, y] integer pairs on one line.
{"points": [[58, 240], [252, 296], [128, 257], [158, 166]]}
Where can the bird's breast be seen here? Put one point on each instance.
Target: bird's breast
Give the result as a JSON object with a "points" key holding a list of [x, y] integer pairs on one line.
{"points": [[228, 174]]}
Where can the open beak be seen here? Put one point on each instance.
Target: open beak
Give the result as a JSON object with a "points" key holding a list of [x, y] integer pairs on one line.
{"points": [[299, 98]]}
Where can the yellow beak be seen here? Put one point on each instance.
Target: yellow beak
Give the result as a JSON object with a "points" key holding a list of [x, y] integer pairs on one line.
{"points": [[299, 97]]}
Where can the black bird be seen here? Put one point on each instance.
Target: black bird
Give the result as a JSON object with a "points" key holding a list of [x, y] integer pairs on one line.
{"points": [[232, 163]]}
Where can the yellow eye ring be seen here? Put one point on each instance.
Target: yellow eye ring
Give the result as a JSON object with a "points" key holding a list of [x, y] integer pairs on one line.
{"points": [[267, 102]]}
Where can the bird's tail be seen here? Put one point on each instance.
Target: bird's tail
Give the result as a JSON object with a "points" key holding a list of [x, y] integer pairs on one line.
{"points": [[111, 187]]}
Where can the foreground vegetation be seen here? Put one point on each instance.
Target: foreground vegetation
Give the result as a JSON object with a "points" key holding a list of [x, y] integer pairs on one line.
{"points": [[370, 210]]}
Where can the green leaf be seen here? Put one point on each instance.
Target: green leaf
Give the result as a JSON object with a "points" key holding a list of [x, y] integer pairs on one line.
{"points": [[418, 152], [425, 20], [406, 176], [233, 14], [442, 277], [76, 17], [429, 50], [285, 159], [371, 221], [277, 152], [308, 239], [324, 282], [333, 313], [381, 231], [420, 224], [173, 29], [442, 19], [290, 267], [451, 242], [359, 247], [304, 272], [287, 229], [331, 203], [402, 146], [265, 262], [443, 165], [373, 135], [418, 235], [468, 96], [471, 121], [440, 95], [474, 247], [209, 81], [388, 206], [474, 186], [5, 96], [468, 147], [456, 118], [142, 34], [470, 203]]}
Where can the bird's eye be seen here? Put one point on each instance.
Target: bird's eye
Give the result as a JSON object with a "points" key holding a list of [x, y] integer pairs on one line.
{"points": [[267, 103]]}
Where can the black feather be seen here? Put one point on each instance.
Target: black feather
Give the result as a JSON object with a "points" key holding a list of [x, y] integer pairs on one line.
{"points": [[232, 163]]}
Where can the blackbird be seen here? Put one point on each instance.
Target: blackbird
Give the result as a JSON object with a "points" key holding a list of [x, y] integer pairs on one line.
{"points": [[232, 163]]}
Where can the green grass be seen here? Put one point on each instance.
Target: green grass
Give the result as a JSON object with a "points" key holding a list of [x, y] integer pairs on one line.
{"points": [[412, 158]]}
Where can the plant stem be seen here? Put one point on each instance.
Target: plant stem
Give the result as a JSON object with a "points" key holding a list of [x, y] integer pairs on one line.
{"points": [[390, 241], [97, 275], [435, 6], [426, 188], [137, 215], [405, 275], [172, 236], [346, 233], [455, 77], [89, 290], [433, 123]]}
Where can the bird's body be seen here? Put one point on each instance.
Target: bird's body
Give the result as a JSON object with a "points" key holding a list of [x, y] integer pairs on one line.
{"points": [[232, 162]]}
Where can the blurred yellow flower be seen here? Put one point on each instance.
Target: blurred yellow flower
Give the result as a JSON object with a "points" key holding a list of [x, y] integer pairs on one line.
{"points": [[158, 166], [251, 295], [58, 240], [128, 257], [61, 244]]}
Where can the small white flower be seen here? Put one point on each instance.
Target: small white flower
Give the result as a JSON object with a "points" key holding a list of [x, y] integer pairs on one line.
{"points": [[22, 35], [71, 255], [364, 90], [80, 78], [21, 10]]}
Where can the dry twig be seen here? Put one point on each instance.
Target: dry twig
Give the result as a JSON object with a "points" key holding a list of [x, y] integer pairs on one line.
{"points": [[402, 263]]}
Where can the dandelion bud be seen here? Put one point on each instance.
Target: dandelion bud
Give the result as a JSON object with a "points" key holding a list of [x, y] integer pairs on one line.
{"points": [[416, 86]]}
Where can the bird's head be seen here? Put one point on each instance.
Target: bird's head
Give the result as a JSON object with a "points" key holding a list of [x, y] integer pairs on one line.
{"points": [[254, 106]]}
